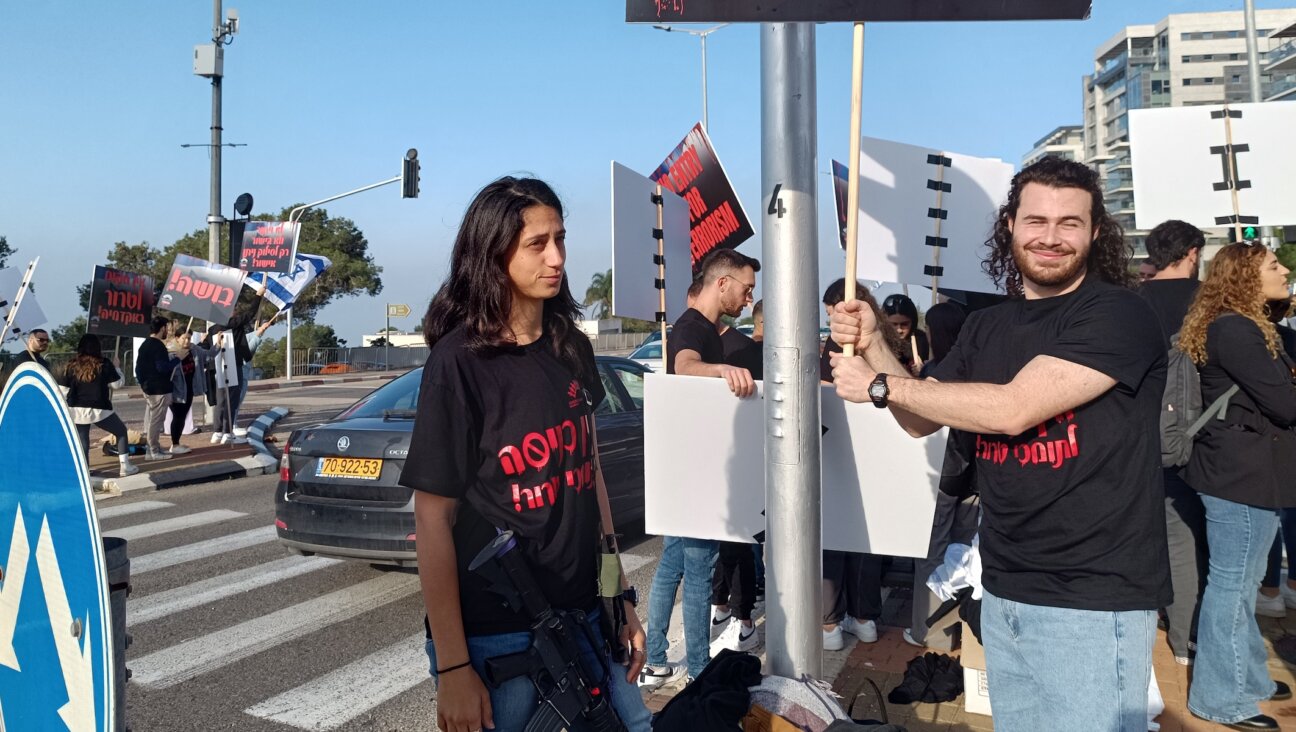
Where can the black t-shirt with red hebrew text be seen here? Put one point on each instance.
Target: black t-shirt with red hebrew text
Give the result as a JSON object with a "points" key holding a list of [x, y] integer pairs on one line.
{"points": [[510, 434], [1074, 515], [693, 332]]}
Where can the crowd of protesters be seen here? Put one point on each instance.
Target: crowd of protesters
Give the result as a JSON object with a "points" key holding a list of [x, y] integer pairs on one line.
{"points": [[175, 368], [1080, 554]]}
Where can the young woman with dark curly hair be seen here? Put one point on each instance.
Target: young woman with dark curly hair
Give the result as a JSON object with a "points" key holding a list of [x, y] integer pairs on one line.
{"points": [[1243, 466]]}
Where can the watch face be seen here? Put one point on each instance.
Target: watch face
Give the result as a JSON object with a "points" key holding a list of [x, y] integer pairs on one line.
{"points": [[877, 391]]}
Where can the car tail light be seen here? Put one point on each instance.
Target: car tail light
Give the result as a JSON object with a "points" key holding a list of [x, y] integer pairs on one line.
{"points": [[279, 524], [285, 471], [410, 537]]}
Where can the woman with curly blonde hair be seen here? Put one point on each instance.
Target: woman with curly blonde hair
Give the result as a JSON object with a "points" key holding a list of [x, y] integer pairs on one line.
{"points": [[1243, 465]]}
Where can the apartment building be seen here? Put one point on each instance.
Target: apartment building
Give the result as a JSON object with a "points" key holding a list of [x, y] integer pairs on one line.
{"points": [[1183, 60], [1065, 142]]}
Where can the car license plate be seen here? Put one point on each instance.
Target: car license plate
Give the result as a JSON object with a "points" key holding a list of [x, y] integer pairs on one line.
{"points": [[357, 468]]}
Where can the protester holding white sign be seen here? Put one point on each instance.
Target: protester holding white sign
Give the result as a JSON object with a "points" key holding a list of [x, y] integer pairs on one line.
{"points": [[1061, 386]]}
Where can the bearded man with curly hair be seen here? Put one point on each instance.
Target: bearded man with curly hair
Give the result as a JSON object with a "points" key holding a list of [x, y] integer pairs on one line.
{"points": [[1061, 386]]}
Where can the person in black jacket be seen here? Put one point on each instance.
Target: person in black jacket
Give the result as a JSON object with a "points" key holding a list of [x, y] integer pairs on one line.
{"points": [[1242, 465], [153, 368], [87, 383], [38, 342], [1271, 601]]}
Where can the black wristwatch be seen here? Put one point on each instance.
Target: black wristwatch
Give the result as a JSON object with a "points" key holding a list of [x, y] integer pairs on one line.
{"points": [[630, 595], [878, 391]]}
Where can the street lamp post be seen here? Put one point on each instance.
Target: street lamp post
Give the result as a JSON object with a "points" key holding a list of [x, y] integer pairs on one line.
{"points": [[703, 35]]}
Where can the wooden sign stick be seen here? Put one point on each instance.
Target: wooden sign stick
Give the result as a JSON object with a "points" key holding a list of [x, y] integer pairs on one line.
{"points": [[661, 265], [1233, 186], [852, 180], [936, 251]]}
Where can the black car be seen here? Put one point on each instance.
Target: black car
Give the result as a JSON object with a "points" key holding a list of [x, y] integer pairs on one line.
{"points": [[338, 494]]}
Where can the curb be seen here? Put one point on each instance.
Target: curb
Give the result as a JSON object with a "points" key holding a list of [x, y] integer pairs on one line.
{"points": [[237, 468], [257, 432]]}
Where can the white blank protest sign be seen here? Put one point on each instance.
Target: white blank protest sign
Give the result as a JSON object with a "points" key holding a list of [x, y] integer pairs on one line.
{"points": [[29, 313], [704, 469], [634, 272], [1176, 172], [894, 222]]}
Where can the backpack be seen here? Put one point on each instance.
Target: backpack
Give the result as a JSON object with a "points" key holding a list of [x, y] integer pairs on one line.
{"points": [[1181, 413]]}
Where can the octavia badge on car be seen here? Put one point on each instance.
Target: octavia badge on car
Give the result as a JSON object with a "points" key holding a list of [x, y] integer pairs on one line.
{"points": [[343, 443]]}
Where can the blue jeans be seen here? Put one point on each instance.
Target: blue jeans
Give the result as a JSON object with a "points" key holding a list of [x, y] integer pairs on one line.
{"points": [[690, 560], [1063, 670], [516, 700], [1231, 675]]}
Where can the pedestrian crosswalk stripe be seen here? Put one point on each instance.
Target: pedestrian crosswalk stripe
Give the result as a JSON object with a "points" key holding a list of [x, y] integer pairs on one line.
{"points": [[179, 523], [165, 603], [127, 509], [631, 562], [336, 698], [199, 550], [197, 656]]}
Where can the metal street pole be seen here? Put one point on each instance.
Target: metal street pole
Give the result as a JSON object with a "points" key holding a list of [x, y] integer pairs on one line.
{"points": [[387, 340], [705, 126], [1253, 51], [1253, 74], [214, 218], [789, 146]]}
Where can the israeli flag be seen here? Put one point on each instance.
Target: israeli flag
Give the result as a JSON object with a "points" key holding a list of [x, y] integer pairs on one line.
{"points": [[283, 289]]}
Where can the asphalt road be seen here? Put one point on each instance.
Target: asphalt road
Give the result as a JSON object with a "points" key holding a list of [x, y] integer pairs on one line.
{"points": [[232, 632]]}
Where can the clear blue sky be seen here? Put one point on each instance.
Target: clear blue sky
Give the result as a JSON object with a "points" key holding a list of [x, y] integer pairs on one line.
{"points": [[98, 97]]}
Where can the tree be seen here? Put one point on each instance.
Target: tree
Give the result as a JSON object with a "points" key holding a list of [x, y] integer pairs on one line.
{"points": [[599, 294], [64, 339], [1287, 255], [6, 252]]}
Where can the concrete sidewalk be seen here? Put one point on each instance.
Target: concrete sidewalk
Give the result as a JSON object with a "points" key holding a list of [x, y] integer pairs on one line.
{"points": [[205, 462]]}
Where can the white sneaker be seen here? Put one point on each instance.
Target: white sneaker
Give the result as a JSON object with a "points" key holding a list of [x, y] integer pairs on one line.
{"points": [[1270, 607], [236, 440], [865, 630], [833, 640], [225, 438], [179, 450], [153, 455], [718, 618], [1289, 595], [654, 677], [216, 437], [908, 638], [125, 468], [736, 637], [240, 432]]}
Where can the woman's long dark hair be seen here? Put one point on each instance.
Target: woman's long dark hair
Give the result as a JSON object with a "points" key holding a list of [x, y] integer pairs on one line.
{"points": [[85, 366], [478, 294], [1109, 256]]}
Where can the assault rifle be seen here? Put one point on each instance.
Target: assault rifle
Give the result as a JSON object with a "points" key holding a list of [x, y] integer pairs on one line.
{"points": [[554, 662]]}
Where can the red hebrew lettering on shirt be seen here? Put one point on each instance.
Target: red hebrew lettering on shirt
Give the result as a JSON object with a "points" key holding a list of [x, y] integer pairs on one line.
{"points": [[1039, 451], [543, 450]]}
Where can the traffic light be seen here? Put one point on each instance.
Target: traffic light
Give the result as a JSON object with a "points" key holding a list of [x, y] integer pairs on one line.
{"points": [[1250, 233], [410, 174]]}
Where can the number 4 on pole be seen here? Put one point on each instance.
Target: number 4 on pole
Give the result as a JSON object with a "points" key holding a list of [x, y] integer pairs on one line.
{"points": [[776, 202]]}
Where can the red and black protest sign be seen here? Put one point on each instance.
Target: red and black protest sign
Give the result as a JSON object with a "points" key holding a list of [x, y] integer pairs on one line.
{"points": [[716, 217], [202, 289], [268, 246], [121, 303]]}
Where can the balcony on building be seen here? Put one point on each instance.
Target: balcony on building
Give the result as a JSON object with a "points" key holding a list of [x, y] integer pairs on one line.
{"points": [[1281, 67]]}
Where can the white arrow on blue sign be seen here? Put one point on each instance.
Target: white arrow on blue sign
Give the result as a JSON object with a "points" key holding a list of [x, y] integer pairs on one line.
{"points": [[56, 667]]}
